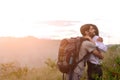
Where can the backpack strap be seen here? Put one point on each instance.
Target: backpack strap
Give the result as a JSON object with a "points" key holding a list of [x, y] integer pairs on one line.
{"points": [[82, 40], [63, 76], [81, 60], [72, 69]]}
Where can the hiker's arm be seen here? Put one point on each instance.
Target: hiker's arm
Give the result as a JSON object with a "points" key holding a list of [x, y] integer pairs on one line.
{"points": [[91, 48], [97, 53]]}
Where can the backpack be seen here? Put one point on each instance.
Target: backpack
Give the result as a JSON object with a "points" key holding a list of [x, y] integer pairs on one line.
{"points": [[68, 53]]}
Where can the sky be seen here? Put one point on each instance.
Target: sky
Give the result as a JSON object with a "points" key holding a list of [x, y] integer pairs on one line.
{"points": [[58, 19]]}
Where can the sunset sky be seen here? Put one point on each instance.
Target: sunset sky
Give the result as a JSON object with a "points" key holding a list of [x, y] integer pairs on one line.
{"points": [[57, 19]]}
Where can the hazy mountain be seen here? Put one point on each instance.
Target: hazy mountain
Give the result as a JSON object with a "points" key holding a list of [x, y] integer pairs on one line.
{"points": [[28, 51]]}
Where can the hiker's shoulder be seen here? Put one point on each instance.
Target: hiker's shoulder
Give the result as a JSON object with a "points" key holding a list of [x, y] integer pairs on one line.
{"points": [[88, 43]]}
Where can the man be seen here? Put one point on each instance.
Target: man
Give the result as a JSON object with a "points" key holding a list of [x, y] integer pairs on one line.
{"points": [[87, 48], [94, 70]]}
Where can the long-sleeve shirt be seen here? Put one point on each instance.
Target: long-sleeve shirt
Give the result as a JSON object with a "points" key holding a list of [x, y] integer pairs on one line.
{"points": [[100, 45]]}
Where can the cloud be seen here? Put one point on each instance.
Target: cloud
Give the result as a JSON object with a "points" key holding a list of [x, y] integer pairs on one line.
{"points": [[61, 22]]}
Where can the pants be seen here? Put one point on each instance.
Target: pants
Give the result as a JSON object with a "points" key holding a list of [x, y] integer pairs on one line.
{"points": [[75, 76], [77, 72], [94, 71]]}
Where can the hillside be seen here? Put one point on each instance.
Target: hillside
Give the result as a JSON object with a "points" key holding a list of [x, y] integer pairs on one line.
{"points": [[28, 51]]}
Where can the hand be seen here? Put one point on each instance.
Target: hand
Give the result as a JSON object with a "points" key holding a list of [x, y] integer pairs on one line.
{"points": [[100, 39], [88, 37], [98, 54], [101, 57]]}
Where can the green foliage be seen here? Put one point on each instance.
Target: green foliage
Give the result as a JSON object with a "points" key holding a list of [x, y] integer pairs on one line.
{"points": [[51, 63], [11, 70], [111, 63]]}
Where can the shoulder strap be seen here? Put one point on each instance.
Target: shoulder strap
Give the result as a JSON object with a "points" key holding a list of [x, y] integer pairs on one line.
{"points": [[81, 59], [82, 40], [63, 76]]}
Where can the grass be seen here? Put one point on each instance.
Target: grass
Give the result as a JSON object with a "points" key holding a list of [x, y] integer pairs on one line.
{"points": [[12, 71], [111, 63]]}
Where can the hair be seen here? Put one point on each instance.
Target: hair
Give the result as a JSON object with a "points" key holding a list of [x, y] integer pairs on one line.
{"points": [[86, 27], [96, 30]]}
